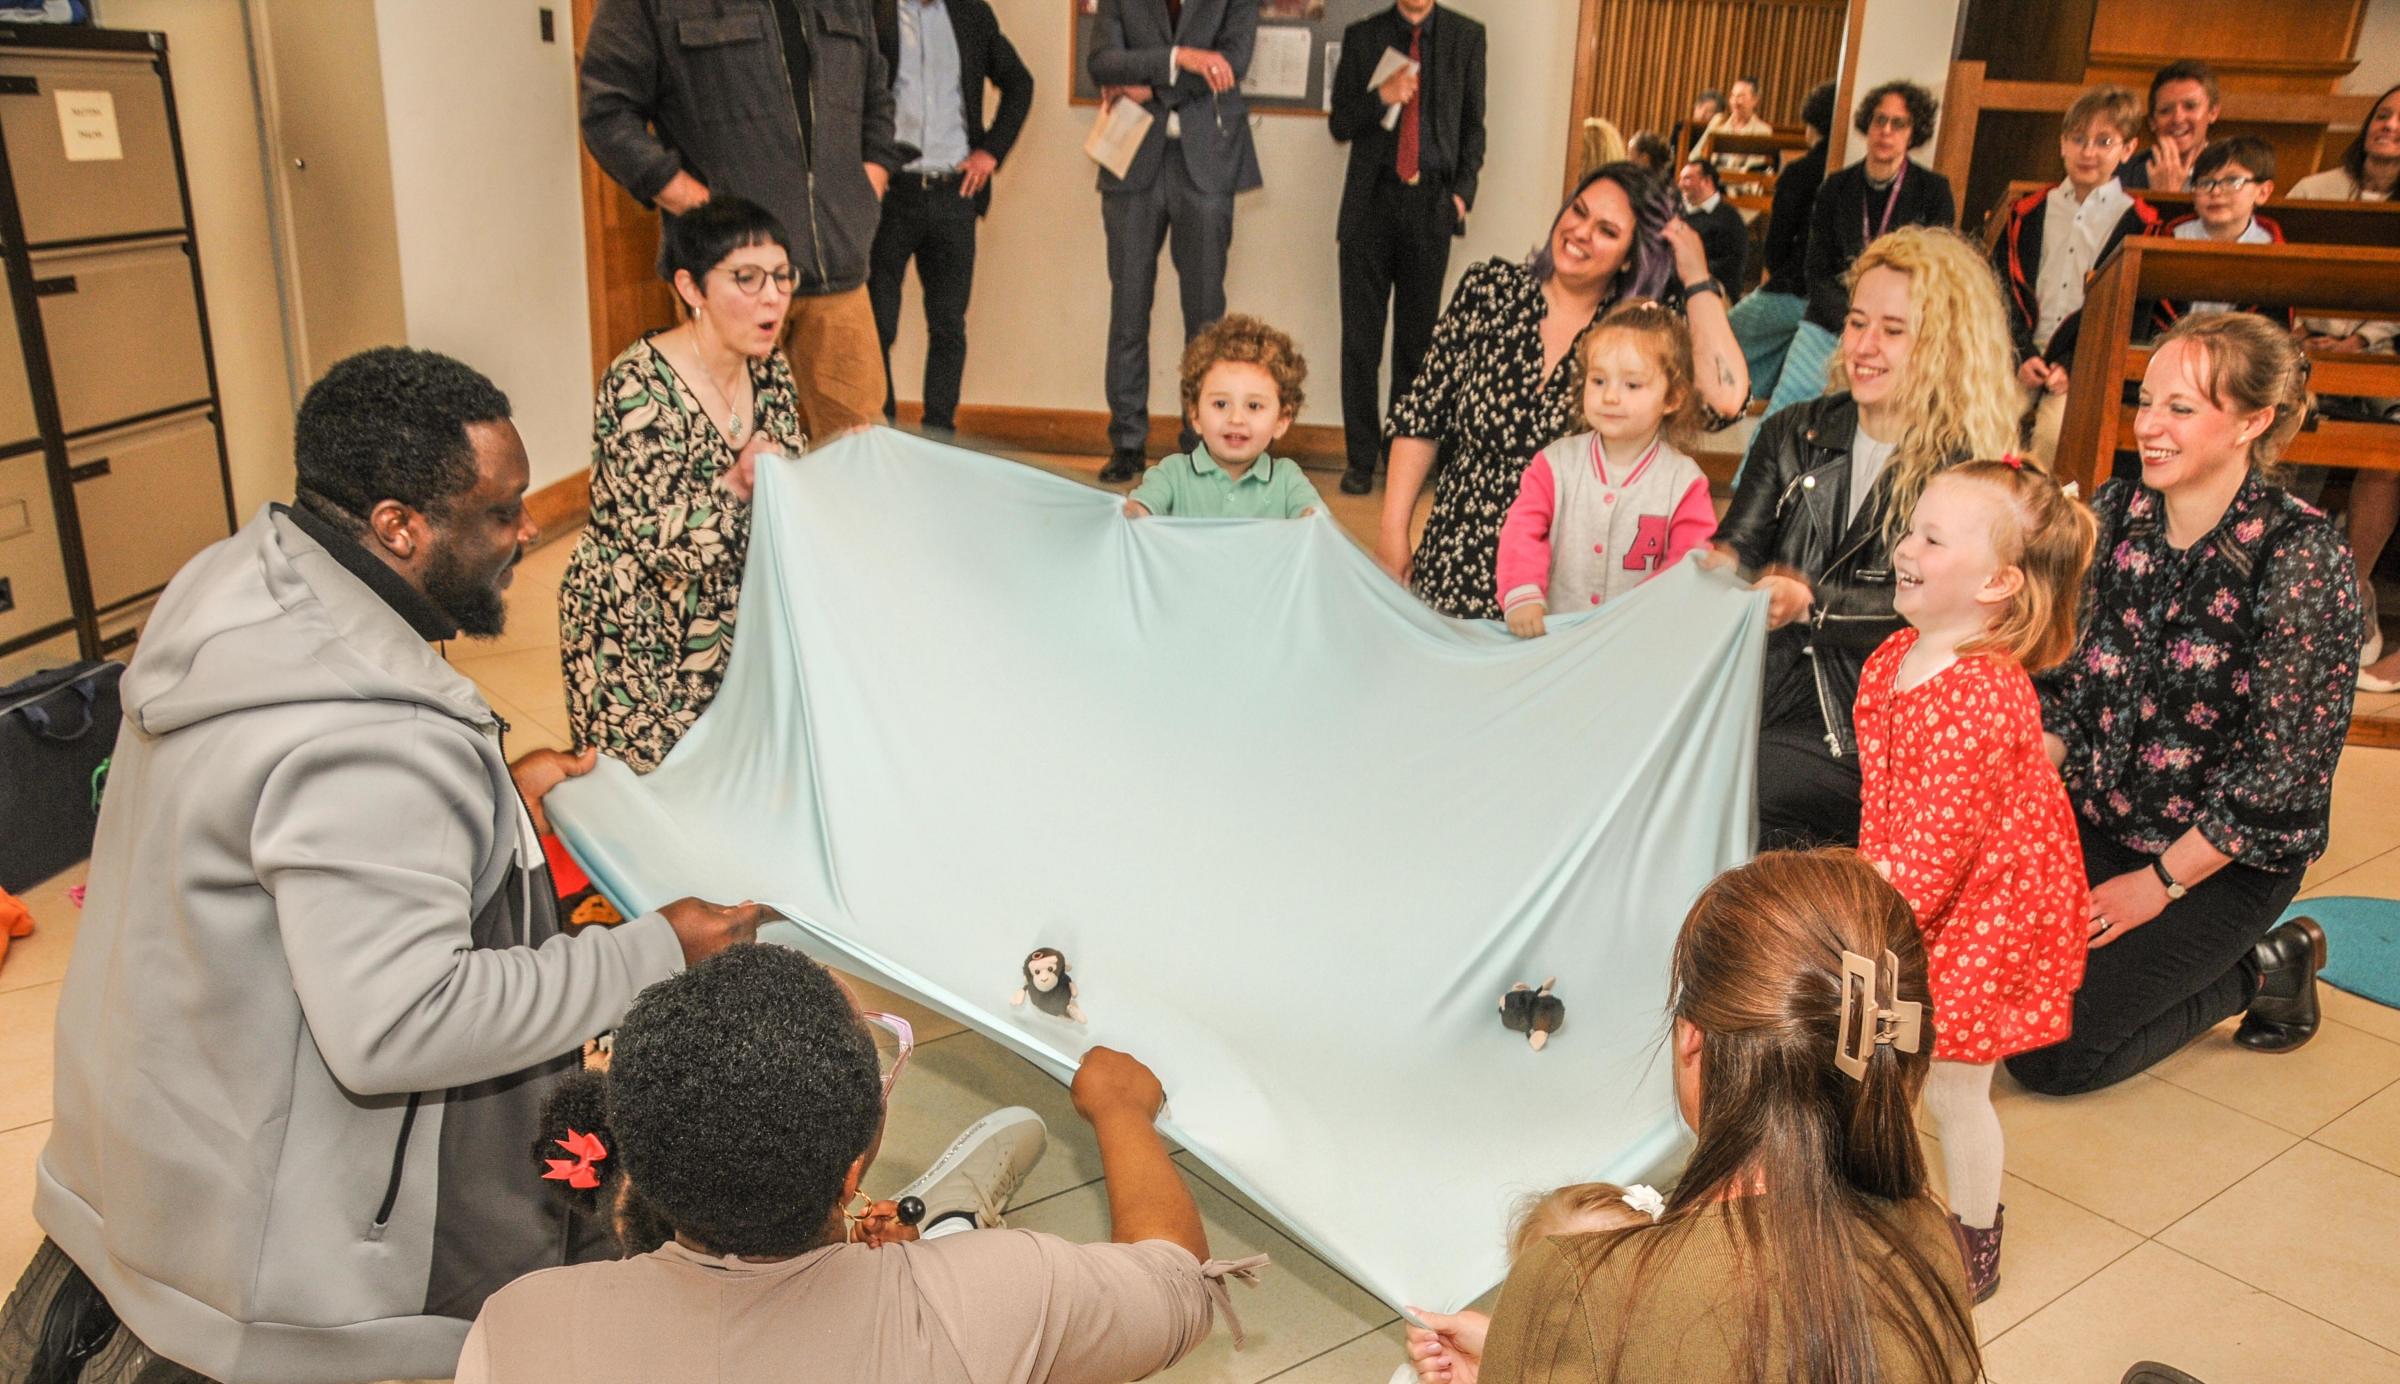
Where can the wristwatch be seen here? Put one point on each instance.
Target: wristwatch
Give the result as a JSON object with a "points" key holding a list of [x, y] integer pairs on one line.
{"points": [[2158, 866], [1707, 285]]}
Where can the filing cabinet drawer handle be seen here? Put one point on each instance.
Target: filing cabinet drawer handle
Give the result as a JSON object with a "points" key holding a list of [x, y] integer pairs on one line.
{"points": [[89, 471], [52, 288]]}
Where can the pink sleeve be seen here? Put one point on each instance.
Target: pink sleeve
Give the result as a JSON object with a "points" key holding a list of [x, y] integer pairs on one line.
{"points": [[1694, 523], [1525, 535]]}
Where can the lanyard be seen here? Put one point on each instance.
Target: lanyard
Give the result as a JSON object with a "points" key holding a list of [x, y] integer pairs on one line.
{"points": [[1891, 201], [1600, 463]]}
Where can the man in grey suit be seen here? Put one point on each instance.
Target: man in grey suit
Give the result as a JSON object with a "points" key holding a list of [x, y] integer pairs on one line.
{"points": [[1184, 61]]}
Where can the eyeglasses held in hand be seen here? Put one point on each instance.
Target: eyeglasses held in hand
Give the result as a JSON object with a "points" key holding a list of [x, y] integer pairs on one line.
{"points": [[751, 279], [894, 1041]]}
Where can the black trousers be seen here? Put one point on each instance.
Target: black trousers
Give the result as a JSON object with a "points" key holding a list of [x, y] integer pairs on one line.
{"points": [[117, 1355], [2166, 982], [1807, 795], [1394, 261], [925, 219]]}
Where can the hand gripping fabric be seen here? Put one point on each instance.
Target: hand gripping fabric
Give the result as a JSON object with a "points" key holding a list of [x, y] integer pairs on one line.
{"points": [[1293, 831]]}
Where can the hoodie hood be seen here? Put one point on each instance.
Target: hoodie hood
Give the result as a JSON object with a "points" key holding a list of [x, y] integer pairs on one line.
{"points": [[268, 617]]}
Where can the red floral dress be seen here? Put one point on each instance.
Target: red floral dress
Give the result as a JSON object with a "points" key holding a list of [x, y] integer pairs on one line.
{"points": [[1962, 809]]}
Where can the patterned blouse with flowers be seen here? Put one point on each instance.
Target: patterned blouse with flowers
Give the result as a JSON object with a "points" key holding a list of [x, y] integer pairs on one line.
{"points": [[646, 609], [2212, 686]]}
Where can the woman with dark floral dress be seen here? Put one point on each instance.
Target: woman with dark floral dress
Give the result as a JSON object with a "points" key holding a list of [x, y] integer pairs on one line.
{"points": [[2198, 722], [646, 610], [1498, 384]]}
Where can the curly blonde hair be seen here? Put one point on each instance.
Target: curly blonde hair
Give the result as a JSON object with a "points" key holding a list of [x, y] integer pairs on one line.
{"points": [[1959, 396], [1240, 337]]}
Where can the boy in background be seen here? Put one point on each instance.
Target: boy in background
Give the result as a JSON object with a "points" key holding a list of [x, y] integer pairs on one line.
{"points": [[2053, 241], [1241, 389], [2230, 179]]}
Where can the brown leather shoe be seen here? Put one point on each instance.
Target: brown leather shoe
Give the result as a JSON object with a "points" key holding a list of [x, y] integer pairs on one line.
{"points": [[2285, 1014], [1981, 1251]]}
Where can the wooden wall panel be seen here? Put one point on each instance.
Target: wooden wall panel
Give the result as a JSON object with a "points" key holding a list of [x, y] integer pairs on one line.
{"points": [[620, 253], [1644, 59]]}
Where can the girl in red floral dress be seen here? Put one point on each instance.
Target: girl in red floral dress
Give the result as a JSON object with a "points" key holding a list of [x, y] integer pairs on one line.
{"points": [[1959, 806]]}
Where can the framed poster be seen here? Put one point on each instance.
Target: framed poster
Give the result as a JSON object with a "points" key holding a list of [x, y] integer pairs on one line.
{"points": [[1291, 67]]}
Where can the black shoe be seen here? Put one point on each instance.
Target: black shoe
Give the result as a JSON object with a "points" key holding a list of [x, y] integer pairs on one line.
{"points": [[1122, 466], [2285, 1013], [1357, 482]]}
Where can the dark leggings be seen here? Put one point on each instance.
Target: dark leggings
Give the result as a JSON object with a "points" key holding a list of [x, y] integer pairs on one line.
{"points": [[2166, 982], [1807, 796]]}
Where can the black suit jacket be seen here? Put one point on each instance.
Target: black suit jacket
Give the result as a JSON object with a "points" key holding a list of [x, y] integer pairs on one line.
{"points": [[984, 55], [1450, 131], [1726, 239]]}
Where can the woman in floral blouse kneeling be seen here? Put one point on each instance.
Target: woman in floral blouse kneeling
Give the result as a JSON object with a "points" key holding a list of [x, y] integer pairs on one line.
{"points": [[2198, 723]]}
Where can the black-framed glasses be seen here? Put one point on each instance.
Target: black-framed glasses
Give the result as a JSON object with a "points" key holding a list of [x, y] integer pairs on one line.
{"points": [[752, 280], [2233, 182]]}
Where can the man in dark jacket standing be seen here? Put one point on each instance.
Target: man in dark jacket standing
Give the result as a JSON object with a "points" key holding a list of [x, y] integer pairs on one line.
{"points": [[1183, 61], [786, 103], [1416, 151], [941, 53]]}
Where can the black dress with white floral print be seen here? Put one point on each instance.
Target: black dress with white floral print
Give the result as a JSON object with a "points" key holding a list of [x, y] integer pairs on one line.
{"points": [[646, 609], [2211, 687], [1483, 396]]}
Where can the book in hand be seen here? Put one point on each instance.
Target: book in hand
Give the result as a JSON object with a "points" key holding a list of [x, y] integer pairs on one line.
{"points": [[1117, 132], [1392, 64]]}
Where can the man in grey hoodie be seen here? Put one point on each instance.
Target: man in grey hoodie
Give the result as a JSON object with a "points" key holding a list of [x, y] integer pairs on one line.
{"points": [[320, 987]]}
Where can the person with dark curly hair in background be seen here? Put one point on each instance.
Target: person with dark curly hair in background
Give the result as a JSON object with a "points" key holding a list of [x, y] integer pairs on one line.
{"points": [[1855, 207], [744, 1108]]}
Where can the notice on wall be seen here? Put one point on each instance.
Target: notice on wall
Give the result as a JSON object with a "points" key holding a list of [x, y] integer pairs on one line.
{"points": [[1279, 63], [1333, 60], [87, 121]]}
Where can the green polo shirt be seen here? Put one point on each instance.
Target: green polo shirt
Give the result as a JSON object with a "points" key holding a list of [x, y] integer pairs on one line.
{"points": [[1190, 485]]}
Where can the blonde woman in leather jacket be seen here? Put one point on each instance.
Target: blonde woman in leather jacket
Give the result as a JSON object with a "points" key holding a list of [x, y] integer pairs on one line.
{"points": [[1924, 378]]}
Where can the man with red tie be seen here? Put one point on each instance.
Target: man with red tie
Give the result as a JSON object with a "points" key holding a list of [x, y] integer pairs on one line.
{"points": [[1416, 149]]}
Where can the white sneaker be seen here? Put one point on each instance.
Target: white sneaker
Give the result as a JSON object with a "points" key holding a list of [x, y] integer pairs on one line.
{"points": [[982, 1168]]}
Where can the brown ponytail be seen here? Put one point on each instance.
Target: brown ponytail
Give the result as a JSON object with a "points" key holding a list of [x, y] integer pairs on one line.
{"points": [[2249, 364], [1758, 971]]}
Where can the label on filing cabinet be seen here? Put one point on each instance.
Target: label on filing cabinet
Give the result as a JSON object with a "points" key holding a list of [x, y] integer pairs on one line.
{"points": [[87, 121]]}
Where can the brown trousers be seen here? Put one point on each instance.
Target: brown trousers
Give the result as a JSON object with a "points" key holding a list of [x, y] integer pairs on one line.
{"points": [[837, 362]]}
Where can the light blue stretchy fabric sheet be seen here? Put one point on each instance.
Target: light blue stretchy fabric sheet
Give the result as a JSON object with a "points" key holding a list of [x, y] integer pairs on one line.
{"points": [[1295, 832]]}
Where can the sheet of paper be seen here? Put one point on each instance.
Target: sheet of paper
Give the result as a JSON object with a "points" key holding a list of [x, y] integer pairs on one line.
{"points": [[1393, 63], [1117, 135], [1279, 63], [1333, 60], [87, 122]]}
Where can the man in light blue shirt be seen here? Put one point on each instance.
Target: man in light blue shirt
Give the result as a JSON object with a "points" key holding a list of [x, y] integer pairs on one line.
{"points": [[941, 53]]}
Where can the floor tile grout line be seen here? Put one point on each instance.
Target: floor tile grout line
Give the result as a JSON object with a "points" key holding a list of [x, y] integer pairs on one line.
{"points": [[2061, 1294], [1338, 1345], [2302, 1309], [2395, 1081], [29, 1124]]}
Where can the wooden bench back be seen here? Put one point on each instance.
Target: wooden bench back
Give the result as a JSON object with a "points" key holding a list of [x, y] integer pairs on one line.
{"points": [[2303, 222], [2335, 280]]}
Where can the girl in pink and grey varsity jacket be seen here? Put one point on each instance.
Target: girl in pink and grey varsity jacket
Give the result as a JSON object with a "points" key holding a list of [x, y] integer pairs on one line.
{"points": [[1599, 513]]}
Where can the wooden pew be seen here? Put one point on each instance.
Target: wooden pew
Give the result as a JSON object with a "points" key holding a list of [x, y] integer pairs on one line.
{"points": [[1969, 95], [2335, 280], [2303, 222]]}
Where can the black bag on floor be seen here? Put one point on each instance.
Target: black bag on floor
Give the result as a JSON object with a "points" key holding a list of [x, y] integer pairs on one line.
{"points": [[57, 730]]}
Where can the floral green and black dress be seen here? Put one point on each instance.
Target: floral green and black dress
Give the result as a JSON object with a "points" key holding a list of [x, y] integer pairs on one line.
{"points": [[646, 610]]}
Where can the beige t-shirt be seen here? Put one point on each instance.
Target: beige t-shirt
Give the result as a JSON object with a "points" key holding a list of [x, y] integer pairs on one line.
{"points": [[988, 1307]]}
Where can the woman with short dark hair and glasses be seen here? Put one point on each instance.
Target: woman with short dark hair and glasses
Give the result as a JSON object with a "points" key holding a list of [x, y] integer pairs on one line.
{"points": [[646, 610]]}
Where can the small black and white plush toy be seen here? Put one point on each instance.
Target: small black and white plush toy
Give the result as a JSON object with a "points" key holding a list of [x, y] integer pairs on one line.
{"points": [[1048, 985], [1535, 1013]]}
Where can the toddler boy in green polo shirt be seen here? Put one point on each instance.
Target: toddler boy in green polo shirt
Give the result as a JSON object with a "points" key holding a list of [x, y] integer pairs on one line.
{"points": [[1241, 390]]}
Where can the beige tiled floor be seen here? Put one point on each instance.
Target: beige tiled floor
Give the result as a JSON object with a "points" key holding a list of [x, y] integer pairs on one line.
{"points": [[2234, 1214]]}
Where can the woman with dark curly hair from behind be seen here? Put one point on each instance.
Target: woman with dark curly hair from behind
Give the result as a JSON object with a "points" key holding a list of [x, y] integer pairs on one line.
{"points": [[743, 1105]]}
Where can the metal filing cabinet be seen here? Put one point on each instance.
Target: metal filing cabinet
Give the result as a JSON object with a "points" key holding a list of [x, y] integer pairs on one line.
{"points": [[112, 455]]}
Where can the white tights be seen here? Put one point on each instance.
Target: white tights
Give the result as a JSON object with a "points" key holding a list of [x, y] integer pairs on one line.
{"points": [[1959, 1097]]}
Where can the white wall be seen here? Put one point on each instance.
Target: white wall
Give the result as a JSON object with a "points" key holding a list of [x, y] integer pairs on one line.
{"points": [[484, 178], [1038, 327], [1909, 40], [2378, 50], [209, 56]]}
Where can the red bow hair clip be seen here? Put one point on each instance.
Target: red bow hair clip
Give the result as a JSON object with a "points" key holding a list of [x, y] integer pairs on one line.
{"points": [[2015, 462], [577, 1172]]}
